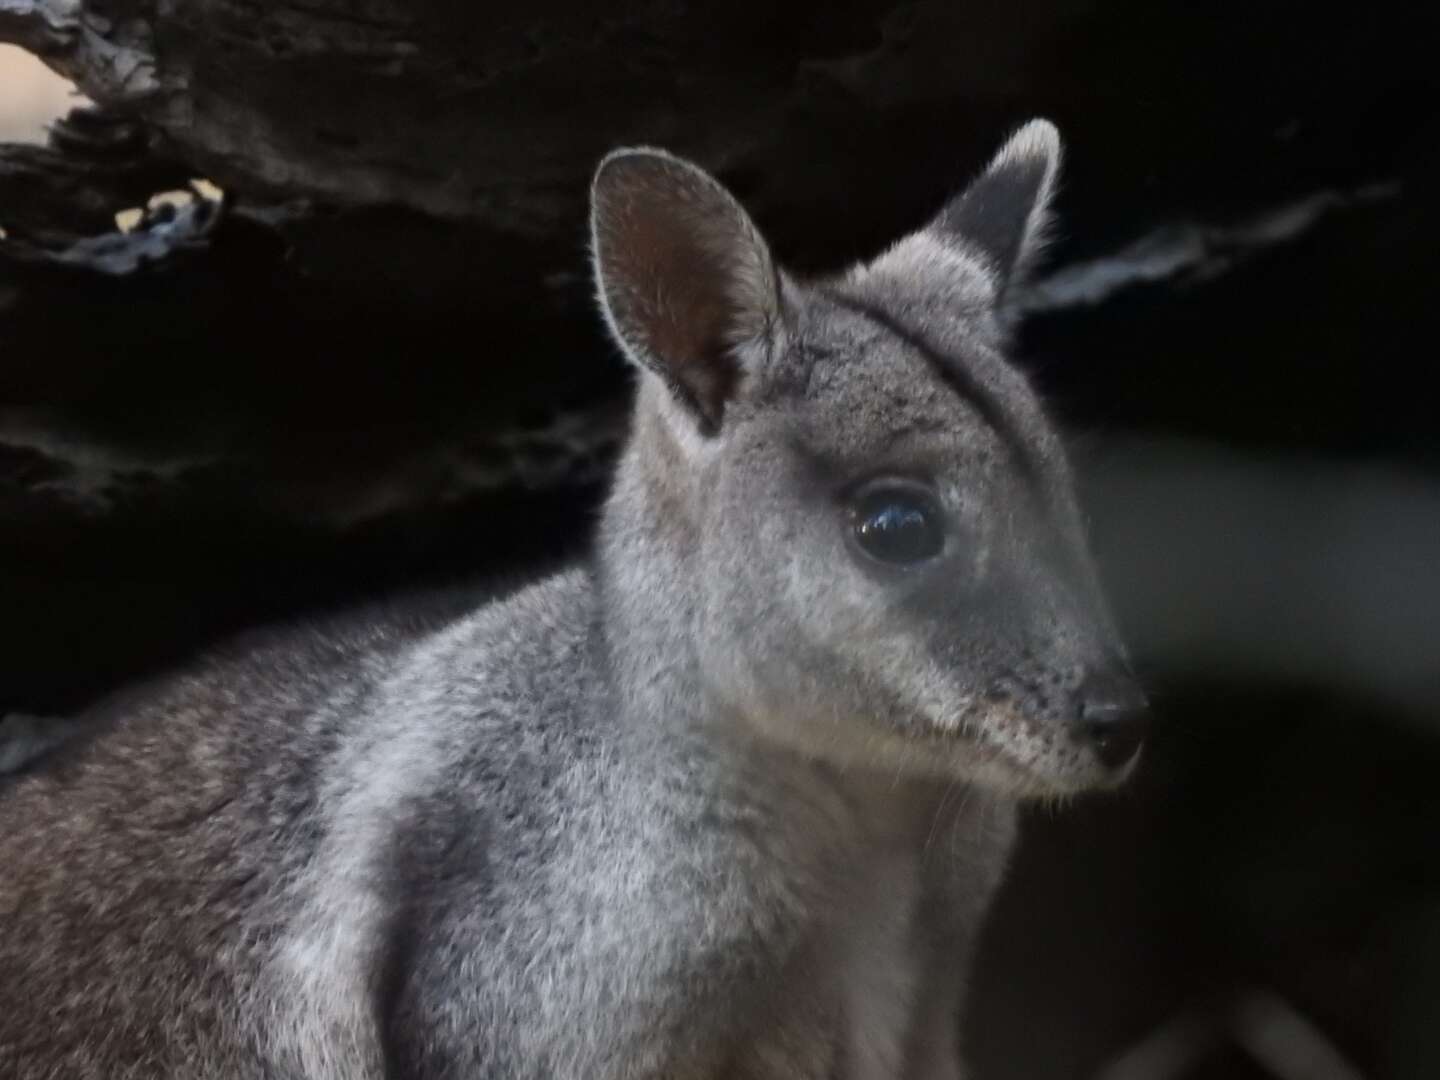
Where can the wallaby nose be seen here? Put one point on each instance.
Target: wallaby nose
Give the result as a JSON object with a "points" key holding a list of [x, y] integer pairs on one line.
{"points": [[1114, 718]]}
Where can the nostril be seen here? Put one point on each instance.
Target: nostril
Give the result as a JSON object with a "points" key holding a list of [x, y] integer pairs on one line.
{"points": [[1114, 722]]}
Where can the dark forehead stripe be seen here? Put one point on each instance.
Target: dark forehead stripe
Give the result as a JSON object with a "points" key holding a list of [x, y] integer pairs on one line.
{"points": [[960, 379]]}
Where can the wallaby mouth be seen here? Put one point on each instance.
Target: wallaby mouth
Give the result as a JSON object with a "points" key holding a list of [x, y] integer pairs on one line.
{"points": [[1097, 747]]}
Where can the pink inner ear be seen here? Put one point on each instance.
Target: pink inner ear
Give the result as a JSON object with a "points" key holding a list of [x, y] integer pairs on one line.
{"points": [[667, 281]]}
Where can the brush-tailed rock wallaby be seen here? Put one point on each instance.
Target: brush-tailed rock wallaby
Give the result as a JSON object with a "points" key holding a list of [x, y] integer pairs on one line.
{"points": [[727, 800]]}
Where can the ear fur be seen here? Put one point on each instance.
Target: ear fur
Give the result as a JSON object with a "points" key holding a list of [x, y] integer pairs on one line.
{"points": [[685, 280], [1004, 215]]}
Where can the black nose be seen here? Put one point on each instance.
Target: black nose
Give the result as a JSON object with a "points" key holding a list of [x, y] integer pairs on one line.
{"points": [[1114, 718]]}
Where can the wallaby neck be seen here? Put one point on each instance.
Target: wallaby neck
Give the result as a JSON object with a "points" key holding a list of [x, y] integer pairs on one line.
{"points": [[648, 577]]}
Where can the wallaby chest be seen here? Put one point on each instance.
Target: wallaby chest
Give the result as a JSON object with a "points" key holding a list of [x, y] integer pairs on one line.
{"points": [[874, 995], [873, 963]]}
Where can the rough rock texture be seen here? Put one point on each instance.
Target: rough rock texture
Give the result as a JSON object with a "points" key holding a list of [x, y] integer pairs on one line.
{"points": [[372, 363]]}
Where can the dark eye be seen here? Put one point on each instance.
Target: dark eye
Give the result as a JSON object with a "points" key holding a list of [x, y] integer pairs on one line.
{"points": [[898, 525]]}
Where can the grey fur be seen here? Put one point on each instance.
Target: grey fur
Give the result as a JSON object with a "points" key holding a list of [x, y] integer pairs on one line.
{"points": [[726, 800]]}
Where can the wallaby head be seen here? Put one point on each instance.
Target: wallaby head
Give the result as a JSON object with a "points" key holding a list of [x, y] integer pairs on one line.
{"points": [[842, 513]]}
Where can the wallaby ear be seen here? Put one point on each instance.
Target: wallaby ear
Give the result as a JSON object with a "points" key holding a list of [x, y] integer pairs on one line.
{"points": [[685, 281], [1005, 214]]}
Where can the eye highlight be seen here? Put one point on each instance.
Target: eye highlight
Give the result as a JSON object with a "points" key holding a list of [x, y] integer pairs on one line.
{"points": [[896, 523]]}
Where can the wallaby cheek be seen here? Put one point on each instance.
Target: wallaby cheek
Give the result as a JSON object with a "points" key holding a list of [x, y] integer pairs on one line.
{"points": [[784, 642]]}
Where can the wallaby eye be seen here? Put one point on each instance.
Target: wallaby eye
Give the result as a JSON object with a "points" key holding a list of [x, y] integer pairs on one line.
{"points": [[898, 524]]}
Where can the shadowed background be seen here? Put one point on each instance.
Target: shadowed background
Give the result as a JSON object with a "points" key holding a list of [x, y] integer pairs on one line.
{"points": [[373, 365]]}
